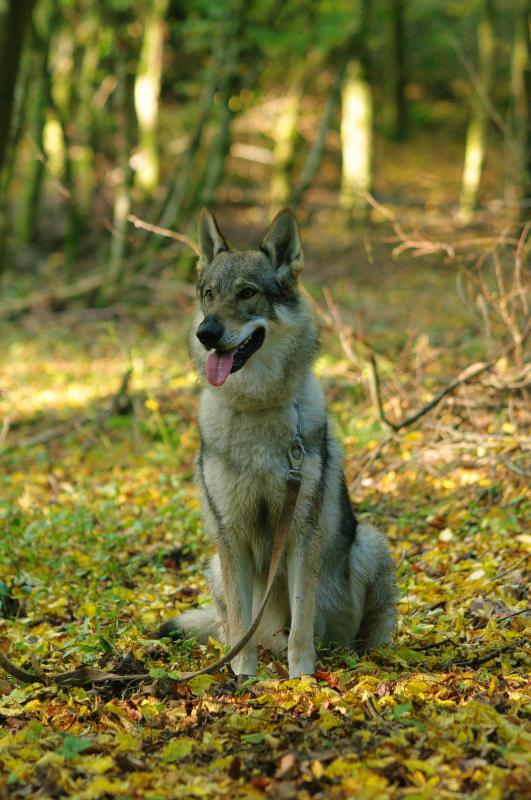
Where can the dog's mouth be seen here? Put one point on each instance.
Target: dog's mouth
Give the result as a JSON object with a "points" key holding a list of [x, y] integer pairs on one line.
{"points": [[221, 363]]}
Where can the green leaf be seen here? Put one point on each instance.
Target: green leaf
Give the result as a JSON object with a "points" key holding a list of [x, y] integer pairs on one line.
{"points": [[253, 738], [200, 684], [72, 746]]}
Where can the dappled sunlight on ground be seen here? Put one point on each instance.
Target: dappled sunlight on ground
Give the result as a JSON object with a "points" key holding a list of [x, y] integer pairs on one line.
{"points": [[102, 540]]}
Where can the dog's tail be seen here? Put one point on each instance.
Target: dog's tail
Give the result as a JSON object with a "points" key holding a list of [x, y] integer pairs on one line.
{"points": [[372, 566], [202, 623]]}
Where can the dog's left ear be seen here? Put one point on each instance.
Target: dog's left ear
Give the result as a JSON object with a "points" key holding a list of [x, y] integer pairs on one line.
{"points": [[282, 243], [211, 240]]}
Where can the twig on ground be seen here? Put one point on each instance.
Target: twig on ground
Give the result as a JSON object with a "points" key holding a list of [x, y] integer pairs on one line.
{"points": [[369, 462], [120, 401], [6, 424], [467, 374], [345, 336], [526, 610], [75, 677], [472, 371], [433, 645], [478, 660], [511, 569], [449, 639], [523, 473], [17, 672]]}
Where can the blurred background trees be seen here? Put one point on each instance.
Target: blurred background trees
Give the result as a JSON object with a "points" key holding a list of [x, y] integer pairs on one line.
{"points": [[114, 108]]}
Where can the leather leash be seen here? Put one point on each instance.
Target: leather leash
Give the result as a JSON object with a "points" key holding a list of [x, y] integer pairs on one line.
{"points": [[280, 541], [293, 486], [86, 675]]}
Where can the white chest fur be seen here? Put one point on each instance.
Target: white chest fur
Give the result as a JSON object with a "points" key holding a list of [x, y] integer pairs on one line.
{"points": [[245, 459]]}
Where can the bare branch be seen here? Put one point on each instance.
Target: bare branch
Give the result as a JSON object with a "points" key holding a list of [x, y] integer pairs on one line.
{"points": [[178, 237]]}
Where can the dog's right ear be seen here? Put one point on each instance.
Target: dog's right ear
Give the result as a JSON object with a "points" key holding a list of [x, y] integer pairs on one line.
{"points": [[211, 240], [282, 244]]}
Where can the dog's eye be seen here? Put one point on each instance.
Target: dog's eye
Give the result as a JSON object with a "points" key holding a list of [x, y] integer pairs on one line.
{"points": [[246, 293], [208, 294]]}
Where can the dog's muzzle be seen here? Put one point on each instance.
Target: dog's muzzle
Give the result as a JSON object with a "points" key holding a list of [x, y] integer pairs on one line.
{"points": [[224, 360], [210, 331]]}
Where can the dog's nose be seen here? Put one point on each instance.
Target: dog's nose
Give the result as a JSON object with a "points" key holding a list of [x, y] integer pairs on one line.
{"points": [[210, 332]]}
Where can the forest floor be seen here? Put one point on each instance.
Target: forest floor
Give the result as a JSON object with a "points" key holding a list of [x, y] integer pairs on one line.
{"points": [[101, 539]]}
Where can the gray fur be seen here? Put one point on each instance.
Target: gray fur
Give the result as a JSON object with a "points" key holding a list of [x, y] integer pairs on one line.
{"points": [[338, 581]]}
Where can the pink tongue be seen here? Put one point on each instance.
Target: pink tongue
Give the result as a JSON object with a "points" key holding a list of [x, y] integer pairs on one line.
{"points": [[219, 365]]}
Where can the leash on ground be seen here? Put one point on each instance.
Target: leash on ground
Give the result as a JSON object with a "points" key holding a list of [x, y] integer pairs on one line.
{"points": [[88, 675]]}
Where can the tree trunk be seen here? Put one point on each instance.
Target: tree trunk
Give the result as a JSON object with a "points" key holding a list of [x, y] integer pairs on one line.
{"points": [[215, 165], [124, 175], [357, 142], [520, 179], [62, 98], [15, 25], [476, 139], [147, 92], [180, 186], [315, 154], [357, 129], [399, 70], [285, 139], [38, 102], [85, 177]]}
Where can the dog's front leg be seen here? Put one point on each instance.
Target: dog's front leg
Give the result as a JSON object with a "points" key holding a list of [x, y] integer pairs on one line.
{"points": [[237, 574], [303, 568]]}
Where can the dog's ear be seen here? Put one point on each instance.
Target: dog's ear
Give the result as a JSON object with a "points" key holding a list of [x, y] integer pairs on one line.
{"points": [[211, 240], [282, 243]]}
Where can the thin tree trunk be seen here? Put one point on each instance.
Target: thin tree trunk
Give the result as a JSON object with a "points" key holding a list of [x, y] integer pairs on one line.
{"points": [[18, 122], [357, 142], [122, 192], [357, 129], [85, 176], [36, 119], [179, 189], [62, 97], [315, 154], [215, 165], [520, 179], [285, 136], [476, 139], [14, 26], [147, 92], [399, 69]]}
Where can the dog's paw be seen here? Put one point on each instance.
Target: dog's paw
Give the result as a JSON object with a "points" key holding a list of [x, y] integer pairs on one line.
{"points": [[303, 664], [245, 663]]}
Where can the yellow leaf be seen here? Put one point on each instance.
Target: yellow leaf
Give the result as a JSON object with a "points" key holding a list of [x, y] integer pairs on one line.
{"points": [[328, 721], [103, 786], [177, 749], [96, 764], [317, 769]]}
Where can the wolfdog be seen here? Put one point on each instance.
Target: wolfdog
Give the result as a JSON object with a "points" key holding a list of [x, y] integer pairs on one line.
{"points": [[254, 339]]}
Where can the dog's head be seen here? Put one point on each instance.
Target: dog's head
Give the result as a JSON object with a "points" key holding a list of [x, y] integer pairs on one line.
{"points": [[245, 298]]}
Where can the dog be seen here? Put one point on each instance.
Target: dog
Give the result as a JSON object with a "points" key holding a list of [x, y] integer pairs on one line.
{"points": [[253, 343]]}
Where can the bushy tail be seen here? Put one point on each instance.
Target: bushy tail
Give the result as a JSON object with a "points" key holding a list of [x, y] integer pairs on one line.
{"points": [[201, 622], [372, 563]]}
